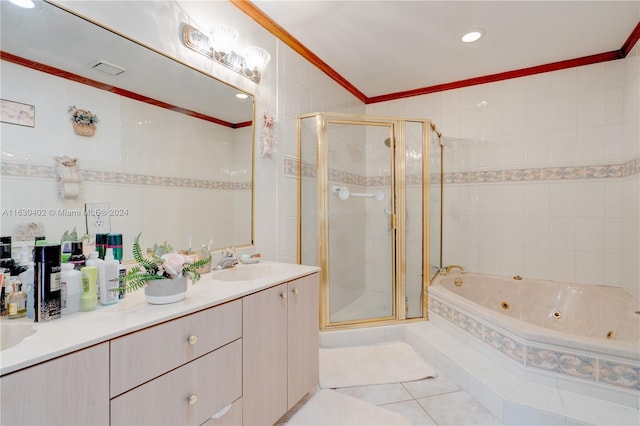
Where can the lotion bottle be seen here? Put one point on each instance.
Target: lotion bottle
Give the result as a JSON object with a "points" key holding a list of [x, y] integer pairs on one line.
{"points": [[89, 299], [111, 279], [71, 285], [94, 260]]}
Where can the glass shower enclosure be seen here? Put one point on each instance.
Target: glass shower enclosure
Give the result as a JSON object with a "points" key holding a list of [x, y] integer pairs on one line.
{"points": [[365, 202]]}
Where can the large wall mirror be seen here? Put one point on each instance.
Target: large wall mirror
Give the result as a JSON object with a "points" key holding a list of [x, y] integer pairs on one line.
{"points": [[171, 157]]}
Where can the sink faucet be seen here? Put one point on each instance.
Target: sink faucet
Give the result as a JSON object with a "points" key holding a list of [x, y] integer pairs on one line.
{"points": [[450, 267], [229, 259]]}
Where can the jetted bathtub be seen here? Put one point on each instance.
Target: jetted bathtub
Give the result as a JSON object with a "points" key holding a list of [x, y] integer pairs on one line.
{"points": [[579, 332]]}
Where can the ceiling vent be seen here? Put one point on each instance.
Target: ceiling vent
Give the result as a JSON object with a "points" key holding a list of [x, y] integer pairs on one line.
{"points": [[107, 67]]}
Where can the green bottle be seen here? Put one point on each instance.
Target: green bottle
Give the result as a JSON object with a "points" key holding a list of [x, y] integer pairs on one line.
{"points": [[89, 298]]}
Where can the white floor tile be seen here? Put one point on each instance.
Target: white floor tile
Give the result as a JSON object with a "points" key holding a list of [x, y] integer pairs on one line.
{"points": [[413, 411], [457, 409], [378, 394], [432, 386]]}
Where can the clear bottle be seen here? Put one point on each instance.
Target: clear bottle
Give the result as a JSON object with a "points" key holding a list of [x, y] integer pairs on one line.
{"points": [[111, 279], [71, 286], [17, 302], [26, 278]]}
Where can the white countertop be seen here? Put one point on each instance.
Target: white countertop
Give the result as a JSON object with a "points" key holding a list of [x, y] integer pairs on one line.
{"points": [[83, 329]]}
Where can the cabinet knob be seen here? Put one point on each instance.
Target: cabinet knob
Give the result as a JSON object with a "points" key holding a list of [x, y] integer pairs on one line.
{"points": [[283, 295], [192, 399], [295, 290], [193, 339]]}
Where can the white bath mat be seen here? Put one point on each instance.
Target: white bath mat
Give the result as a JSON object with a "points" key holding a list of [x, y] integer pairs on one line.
{"points": [[371, 365], [328, 407]]}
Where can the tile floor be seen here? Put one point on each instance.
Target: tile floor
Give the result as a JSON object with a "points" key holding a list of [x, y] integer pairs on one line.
{"points": [[434, 401]]}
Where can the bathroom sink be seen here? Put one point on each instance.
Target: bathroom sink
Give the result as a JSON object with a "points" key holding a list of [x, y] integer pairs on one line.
{"points": [[242, 273], [12, 334]]}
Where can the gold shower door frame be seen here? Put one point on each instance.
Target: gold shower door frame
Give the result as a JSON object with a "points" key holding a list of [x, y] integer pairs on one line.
{"points": [[398, 204]]}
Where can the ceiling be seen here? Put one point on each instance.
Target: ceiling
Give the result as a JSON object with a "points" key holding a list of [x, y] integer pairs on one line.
{"points": [[384, 48]]}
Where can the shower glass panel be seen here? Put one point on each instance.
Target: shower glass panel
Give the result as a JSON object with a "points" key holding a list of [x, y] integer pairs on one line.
{"points": [[360, 229], [308, 190], [414, 137], [364, 195]]}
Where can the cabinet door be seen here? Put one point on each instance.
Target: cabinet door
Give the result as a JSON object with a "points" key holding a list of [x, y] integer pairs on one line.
{"points": [[303, 337], [264, 359], [189, 395], [70, 390]]}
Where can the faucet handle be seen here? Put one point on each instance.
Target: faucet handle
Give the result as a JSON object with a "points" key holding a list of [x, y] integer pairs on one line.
{"points": [[231, 251]]}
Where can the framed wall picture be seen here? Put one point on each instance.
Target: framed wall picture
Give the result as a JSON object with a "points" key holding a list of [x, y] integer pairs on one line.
{"points": [[17, 113]]}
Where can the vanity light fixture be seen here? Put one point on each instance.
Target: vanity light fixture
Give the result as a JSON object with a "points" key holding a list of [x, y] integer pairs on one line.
{"points": [[27, 4], [472, 36], [218, 46]]}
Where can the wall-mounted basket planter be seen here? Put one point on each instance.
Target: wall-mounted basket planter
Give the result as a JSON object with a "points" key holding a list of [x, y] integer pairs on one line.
{"points": [[84, 130]]}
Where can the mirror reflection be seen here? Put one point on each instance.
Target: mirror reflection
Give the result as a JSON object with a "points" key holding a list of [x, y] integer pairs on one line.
{"points": [[154, 147]]}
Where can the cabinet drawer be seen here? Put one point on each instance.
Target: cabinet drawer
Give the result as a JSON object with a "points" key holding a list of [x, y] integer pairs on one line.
{"points": [[189, 395], [139, 357], [231, 417]]}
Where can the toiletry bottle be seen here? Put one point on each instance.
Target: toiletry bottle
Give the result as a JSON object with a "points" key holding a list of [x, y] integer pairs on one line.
{"points": [[122, 271], [77, 258], [3, 296], [93, 260], [71, 286], [115, 242], [111, 279], [47, 282], [17, 302], [101, 245], [26, 278], [89, 299]]}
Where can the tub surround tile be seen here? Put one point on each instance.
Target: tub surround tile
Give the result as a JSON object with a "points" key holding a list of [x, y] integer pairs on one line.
{"points": [[603, 373], [517, 414], [545, 400], [619, 374], [561, 362]]}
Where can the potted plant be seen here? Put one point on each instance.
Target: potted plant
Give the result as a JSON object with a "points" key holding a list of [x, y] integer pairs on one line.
{"points": [[163, 277], [84, 122]]}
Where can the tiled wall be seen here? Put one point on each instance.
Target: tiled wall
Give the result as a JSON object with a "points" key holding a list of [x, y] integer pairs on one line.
{"points": [[541, 173]]}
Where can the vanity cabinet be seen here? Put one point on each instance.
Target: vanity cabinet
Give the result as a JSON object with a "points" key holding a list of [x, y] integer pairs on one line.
{"points": [[246, 360], [69, 390], [180, 372], [280, 356]]}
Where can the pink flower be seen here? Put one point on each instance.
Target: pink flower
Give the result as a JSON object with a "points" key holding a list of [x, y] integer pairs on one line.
{"points": [[173, 263]]}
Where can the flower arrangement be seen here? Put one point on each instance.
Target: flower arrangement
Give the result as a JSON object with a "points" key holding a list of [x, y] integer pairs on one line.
{"points": [[164, 267], [82, 117]]}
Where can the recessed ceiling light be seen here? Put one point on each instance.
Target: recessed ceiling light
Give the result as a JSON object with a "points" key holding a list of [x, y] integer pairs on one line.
{"points": [[472, 36], [27, 4], [242, 95]]}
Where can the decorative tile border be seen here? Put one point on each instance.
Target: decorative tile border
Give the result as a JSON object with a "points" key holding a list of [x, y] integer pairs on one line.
{"points": [[554, 360], [605, 171], [102, 176]]}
